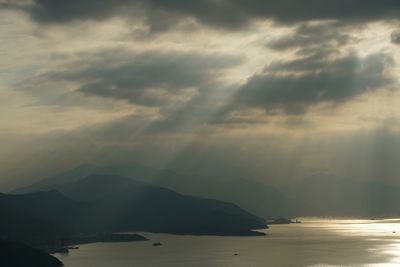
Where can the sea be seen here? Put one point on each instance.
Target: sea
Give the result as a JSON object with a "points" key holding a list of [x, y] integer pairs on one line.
{"points": [[316, 242]]}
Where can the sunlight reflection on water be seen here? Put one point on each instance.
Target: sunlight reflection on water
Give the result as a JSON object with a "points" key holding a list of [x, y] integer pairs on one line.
{"points": [[380, 231]]}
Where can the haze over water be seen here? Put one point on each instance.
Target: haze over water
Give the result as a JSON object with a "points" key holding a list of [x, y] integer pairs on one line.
{"points": [[315, 242]]}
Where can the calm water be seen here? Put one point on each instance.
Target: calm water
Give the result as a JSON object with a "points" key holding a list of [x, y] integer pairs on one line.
{"points": [[315, 242]]}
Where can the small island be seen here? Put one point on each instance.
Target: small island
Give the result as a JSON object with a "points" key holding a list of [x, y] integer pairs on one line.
{"points": [[282, 220], [108, 238]]}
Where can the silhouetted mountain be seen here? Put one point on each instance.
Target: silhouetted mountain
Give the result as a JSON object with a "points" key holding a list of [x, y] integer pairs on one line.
{"points": [[135, 171], [62, 178], [258, 198], [122, 204], [98, 186], [103, 203], [19, 255], [337, 196]]}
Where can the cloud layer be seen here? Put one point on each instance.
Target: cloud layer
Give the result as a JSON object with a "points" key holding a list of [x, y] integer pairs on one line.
{"points": [[228, 14], [150, 78]]}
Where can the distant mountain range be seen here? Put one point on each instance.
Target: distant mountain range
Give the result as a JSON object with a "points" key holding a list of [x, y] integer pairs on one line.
{"points": [[321, 194], [329, 195], [255, 197]]}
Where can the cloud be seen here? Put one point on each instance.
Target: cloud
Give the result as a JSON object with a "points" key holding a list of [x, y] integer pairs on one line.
{"points": [[14, 4], [228, 14], [395, 37], [149, 78], [294, 86], [311, 36], [158, 15], [319, 71]]}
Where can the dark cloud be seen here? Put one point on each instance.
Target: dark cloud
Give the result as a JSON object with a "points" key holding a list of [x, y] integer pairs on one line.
{"points": [[221, 13], [159, 15], [308, 37], [395, 37], [320, 72], [294, 86], [297, 11], [150, 78], [65, 11], [14, 4]]}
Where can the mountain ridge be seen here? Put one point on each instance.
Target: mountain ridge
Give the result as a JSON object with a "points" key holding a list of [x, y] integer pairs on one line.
{"points": [[260, 199]]}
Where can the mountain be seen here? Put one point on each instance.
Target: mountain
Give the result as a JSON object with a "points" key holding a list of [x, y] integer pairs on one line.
{"points": [[256, 197], [62, 178], [104, 203], [135, 171], [260, 199], [329, 195], [19, 255], [121, 204]]}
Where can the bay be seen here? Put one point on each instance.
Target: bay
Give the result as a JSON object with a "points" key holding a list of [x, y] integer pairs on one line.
{"points": [[315, 242]]}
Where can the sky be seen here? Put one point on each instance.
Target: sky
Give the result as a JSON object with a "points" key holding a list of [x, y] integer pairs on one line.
{"points": [[270, 90]]}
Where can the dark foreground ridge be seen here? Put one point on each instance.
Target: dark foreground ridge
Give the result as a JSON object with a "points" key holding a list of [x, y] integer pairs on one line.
{"points": [[19, 255]]}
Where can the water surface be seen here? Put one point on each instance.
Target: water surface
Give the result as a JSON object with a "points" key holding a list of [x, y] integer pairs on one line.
{"points": [[315, 242]]}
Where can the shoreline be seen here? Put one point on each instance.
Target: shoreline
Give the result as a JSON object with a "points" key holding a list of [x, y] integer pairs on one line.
{"points": [[89, 239]]}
